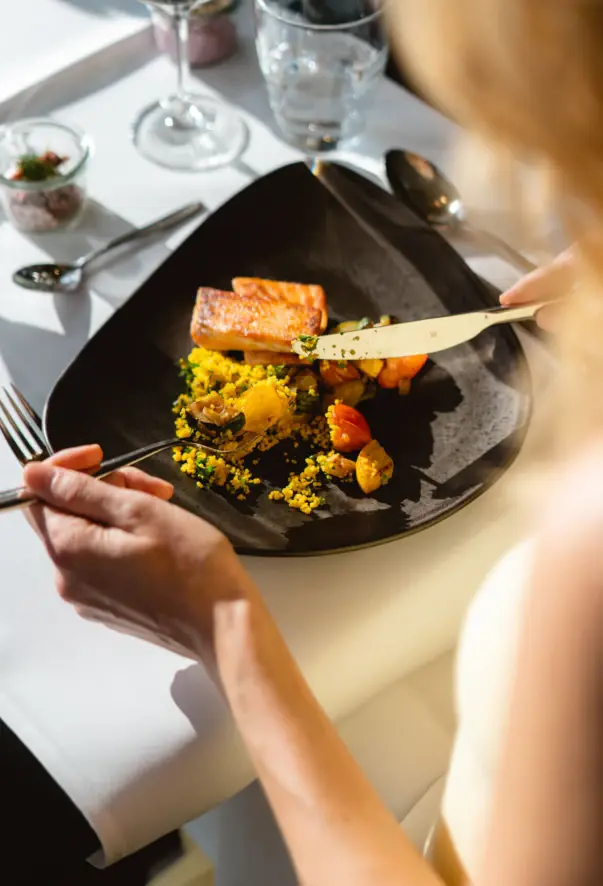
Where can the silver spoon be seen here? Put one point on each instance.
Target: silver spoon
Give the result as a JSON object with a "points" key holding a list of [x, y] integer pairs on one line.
{"points": [[67, 278], [435, 199]]}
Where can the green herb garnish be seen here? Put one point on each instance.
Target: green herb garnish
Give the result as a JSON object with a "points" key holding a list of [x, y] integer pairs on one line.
{"points": [[281, 371], [308, 343], [306, 401], [33, 168]]}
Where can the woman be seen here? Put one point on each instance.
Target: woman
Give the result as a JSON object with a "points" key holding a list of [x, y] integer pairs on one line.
{"points": [[523, 74]]}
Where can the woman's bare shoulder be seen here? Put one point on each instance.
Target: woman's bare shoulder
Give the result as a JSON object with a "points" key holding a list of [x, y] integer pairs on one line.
{"points": [[567, 564]]}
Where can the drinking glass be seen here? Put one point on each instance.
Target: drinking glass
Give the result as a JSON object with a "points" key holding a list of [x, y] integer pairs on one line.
{"points": [[320, 59], [184, 130]]}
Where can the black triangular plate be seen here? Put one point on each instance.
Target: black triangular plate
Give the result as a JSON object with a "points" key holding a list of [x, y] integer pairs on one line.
{"points": [[450, 439]]}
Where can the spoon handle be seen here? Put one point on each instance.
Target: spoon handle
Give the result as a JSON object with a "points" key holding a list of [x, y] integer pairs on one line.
{"points": [[512, 255], [162, 224]]}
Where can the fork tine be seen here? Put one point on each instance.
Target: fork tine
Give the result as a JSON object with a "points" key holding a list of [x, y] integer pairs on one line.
{"points": [[27, 449], [29, 418], [17, 452], [27, 406]]}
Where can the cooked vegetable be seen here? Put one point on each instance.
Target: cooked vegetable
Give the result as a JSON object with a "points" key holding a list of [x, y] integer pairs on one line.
{"points": [[263, 406], [352, 325], [348, 428], [404, 386], [212, 410], [397, 368], [305, 380], [372, 368], [306, 402], [336, 465], [349, 392], [374, 467], [305, 386], [335, 372], [370, 391]]}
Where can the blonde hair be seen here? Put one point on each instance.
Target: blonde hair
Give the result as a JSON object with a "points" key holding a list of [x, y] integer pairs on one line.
{"points": [[525, 77]]}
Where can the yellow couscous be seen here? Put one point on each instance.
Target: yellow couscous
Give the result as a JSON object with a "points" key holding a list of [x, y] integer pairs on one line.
{"points": [[310, 407], [208, 371]]}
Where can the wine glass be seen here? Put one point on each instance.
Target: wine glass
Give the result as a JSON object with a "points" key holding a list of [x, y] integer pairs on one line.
{"points": [[187, 131]]}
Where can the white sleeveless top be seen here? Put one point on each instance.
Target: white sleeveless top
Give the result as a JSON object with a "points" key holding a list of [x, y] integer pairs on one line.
{"points": [[484, 672]]}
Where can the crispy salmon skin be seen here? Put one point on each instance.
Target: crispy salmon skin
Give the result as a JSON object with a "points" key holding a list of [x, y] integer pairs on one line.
{"points": [[307, 294], [265, 358], [251, 321]]}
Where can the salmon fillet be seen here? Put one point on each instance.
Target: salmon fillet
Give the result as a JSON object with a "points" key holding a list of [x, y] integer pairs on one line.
{"points": [[225, 321], [307, 294], [263, 358]]}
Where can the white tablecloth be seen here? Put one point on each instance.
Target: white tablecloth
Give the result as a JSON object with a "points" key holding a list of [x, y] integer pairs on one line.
{"points": [[138, 737], [47, 36]]}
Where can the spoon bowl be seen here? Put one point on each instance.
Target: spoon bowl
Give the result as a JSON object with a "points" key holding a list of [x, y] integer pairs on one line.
{"points": [[49, 278], [424, 188], [68, 278], [419, 182]]}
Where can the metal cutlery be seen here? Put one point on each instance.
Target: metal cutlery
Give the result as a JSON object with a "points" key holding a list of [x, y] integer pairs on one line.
{"points": [[350, 197], [68, 278], [21, 427], [423, 186], [409, 339]]}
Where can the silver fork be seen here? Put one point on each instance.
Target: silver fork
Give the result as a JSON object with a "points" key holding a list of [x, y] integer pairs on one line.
{"points": [[21, 416], [21, 427]]}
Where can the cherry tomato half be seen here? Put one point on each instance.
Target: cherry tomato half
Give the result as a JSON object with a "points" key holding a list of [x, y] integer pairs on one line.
{"points": [[349, 428]]}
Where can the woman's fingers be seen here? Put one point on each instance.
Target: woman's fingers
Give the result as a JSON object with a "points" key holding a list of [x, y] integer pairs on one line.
{"points": [[88, 458], [69, 539], [78, 458], [84, 496], [549, 318], [545, 284], [551, 283], [134, 478]]}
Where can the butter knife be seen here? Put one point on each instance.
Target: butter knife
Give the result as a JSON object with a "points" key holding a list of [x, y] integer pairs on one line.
{"points": [[408, 339], [352, 199]]}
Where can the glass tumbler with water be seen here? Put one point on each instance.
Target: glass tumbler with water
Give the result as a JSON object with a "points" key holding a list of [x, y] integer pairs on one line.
{"points": [[321, 59]]}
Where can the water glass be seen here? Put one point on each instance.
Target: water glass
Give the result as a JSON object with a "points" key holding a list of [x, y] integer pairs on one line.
{"points": [[321, 61]]}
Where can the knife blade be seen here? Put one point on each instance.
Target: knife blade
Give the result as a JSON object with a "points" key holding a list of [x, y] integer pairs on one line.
{"points": [[332, 176], [408, 339]]}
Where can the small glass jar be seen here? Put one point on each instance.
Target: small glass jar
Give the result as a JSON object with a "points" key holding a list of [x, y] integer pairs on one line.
{"points": [[51, 203], [212, 35]]}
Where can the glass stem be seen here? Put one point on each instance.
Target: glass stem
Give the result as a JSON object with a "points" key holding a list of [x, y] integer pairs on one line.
{"points": [[180, 23]]}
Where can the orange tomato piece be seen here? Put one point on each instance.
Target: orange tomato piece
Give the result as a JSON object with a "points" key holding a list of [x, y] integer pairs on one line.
{"points": [[335, 372], [374, 467], [397, 368], [349, 428]]}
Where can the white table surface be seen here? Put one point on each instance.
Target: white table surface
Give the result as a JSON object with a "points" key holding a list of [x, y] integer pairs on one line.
{"points": [[138, 737]]}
